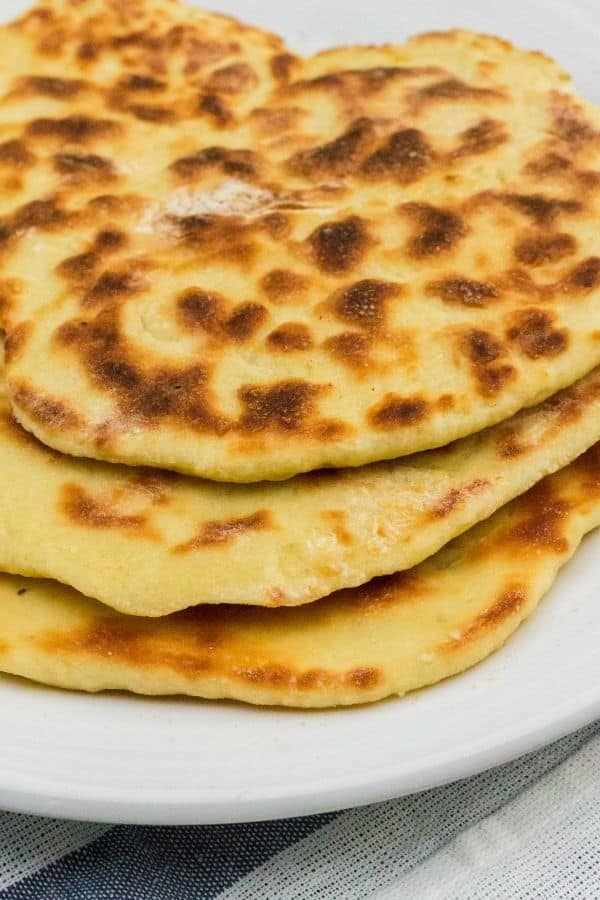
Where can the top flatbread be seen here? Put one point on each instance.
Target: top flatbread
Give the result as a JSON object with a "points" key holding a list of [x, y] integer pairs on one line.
{"points": [[365, 253]]}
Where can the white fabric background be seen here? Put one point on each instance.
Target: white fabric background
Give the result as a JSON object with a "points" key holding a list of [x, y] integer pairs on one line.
{"points": [[28, 843], [529, 830]]}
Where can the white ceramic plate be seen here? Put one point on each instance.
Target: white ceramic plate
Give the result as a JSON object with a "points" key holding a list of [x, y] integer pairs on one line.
{"points": [[126, 759]]}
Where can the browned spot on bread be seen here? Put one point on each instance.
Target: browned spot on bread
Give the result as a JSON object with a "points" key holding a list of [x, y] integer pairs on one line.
{"points": [[276, 224], [491, 379], [539, 249], [226, 238], [338, 157], [43, 214], [84, 167], [364, 677], [385, 590], [363, 303], [224, 531], [16, 340], [80, 268], [463, 291], [508, 444], [357, 82], [280, 284], [87, 51], [439, 230], [240, 163], [201, 52], [107, 204], [589, 465], [337, 519], [312, 679], [282, 65], [15, 153], [445, 402], [283, 406], [548, 164], [12, 183], [216, 107], [232, 79], [200, 309], [146, 112], [107, 636], [568, 121], [140, 82], [568, 405], [534, 334], [521, 282], [115, 285], [155, 484], [147, 395], [350, 348], [77, 129], [481, 347], [405, 157], [543, 210], [457, 496], [273, 675], [274, 120], [329, 429], [52, 42], [339, 246], [244, 320], [10, 289], [508, 604], [542, 526], [483, 351], [83, 509], [452, 89], [585, 276], [109, 239], [192, 648], [43, 408], [485, 135], [290, 336], [396, 411], [48, 86], [176, 394]]}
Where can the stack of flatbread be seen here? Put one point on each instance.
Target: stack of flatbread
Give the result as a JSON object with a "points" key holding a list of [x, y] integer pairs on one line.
{"points": [[301, 382]]}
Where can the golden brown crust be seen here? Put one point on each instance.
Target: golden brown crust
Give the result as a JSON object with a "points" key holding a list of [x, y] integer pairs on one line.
{"points": [[257, 263]]}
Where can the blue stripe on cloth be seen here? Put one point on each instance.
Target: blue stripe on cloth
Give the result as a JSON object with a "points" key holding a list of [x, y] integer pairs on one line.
{"points": [[143, 863]]}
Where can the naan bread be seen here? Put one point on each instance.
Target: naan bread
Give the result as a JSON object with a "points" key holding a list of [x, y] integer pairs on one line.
{"points": [[250, 266], [388, 637], [149, 542]]}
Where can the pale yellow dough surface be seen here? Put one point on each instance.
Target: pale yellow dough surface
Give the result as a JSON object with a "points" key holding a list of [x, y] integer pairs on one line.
{"points": [[391, 636], [148, 542]]}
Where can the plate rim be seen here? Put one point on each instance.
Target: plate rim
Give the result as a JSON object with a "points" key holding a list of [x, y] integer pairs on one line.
{"points": [[178, 806], [70, 799]]}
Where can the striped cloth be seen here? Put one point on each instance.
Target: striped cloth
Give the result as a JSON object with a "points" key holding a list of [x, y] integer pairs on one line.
{"points": [[529, 829]]}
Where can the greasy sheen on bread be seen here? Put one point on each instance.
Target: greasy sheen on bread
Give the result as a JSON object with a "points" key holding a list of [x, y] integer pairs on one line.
{"points": [[222, 258]]}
